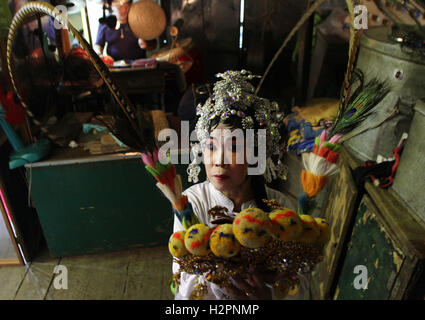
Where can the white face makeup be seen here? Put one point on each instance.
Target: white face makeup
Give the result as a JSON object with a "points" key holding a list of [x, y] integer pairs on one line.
{"points": [[225, 146], [224, 158], [235, 96]]}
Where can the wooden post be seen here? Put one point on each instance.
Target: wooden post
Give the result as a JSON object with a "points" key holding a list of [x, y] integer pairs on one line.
{"points": [[86, 25]]}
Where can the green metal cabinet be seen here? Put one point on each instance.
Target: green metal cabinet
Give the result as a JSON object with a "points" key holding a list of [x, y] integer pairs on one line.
{"points": [[390, 244], [370, 246], [92, 204], [338, 211]]}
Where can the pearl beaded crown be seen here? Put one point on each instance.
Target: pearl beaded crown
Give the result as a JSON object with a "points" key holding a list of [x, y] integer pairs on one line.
{"points": [[234, 96]]}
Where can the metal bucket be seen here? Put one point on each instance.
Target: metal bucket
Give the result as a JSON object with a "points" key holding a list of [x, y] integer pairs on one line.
{"points": [[383, 58], [409, 181]]}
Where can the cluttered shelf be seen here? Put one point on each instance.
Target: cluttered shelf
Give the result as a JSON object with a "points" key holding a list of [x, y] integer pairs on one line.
{"points": [[397, 213], [386, 197], [92, 193], [80, 137], [64, 156], [153, 79]]}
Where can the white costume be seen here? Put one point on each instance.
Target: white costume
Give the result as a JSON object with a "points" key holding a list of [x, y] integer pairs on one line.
{"points": [[203, 196]]}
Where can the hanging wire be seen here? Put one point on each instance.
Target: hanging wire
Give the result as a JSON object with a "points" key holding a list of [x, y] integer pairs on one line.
{"points": [[300, 23]]}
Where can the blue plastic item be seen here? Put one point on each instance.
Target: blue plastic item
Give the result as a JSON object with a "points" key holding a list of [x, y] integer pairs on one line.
{"points": [[37, 151], [22, 154]]}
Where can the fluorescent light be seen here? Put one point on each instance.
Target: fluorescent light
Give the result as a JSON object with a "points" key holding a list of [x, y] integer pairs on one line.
{"points": [[242, 16], [240, 37], [241, 21]]}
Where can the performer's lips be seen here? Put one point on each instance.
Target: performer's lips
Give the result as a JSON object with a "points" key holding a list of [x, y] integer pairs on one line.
{"points": [[220, 177]]}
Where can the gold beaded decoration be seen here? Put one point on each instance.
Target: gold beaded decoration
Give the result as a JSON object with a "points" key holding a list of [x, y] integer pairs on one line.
{"points": [[286, 258]]}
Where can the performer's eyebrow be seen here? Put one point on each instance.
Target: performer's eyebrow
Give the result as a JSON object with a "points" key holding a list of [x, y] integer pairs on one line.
{"points": [[234, 138]]}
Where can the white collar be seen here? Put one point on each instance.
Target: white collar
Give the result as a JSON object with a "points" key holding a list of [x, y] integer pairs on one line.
{"points": [[227, 203]]}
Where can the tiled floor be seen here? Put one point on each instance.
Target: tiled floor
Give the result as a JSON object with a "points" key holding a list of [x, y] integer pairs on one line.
{"points": [[131, 275]]}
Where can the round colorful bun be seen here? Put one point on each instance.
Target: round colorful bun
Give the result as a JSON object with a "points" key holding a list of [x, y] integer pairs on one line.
{"points": [[223, 242], [287, 225], [176, 244], [197, 239], [311, 230], [252, 228], [325, 230]]}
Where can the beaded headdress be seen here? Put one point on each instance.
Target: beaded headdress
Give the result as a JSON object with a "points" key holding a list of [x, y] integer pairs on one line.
{"points": [[234, 96]]}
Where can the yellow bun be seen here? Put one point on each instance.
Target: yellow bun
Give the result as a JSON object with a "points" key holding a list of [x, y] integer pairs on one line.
{"points": [[223, 242], [197, 239], [252, 228], [176, 244], [287, 225], [311, 230], [325, 230]]}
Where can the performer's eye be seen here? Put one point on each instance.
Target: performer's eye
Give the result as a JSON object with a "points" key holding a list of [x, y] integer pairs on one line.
{"points": [[210, 146], [233, 147]]}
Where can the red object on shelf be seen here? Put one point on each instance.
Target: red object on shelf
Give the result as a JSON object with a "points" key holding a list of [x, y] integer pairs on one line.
{"points": [[15, 112], [108, 61], [80, 53], [195, 74]]}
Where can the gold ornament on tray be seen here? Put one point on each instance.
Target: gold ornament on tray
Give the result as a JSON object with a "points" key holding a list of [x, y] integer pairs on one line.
{"points": [[282, 242]]}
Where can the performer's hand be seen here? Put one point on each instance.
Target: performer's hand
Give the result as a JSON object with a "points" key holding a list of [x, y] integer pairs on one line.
{"points": [[251, 288]]}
